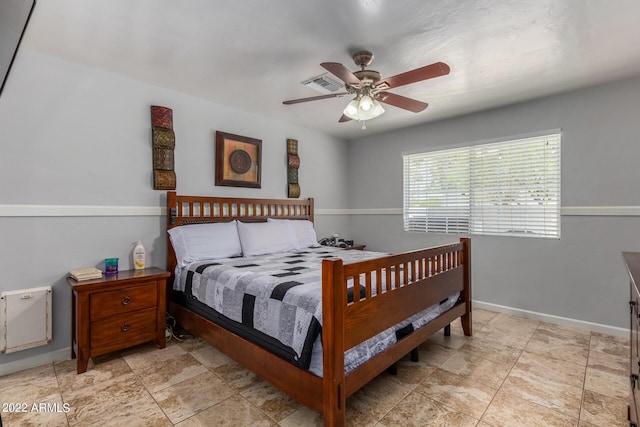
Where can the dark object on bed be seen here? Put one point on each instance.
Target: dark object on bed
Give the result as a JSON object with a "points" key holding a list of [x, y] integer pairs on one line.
{"points": [[421, 278]]}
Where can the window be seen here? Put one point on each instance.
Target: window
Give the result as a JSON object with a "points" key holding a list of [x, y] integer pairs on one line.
{"points": [[502, 188]]}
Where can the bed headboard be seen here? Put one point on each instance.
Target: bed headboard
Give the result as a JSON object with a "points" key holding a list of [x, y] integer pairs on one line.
{"points": [[184, 210]]}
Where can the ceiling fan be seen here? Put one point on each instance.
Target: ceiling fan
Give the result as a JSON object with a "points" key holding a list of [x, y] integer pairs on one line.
{"points": [[370, 89]]}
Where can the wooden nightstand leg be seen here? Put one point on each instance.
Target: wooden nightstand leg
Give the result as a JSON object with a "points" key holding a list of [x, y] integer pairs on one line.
{"points": [[161, 320], [161, 343], [82, 330], [73, 325], [83, 360]]}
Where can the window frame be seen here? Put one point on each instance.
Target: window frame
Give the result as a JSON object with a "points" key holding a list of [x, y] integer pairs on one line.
{"points": [[531, 211]]}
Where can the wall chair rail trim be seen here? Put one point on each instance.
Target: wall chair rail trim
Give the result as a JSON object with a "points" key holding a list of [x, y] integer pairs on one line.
{"points": [[97, 210], [75, 210]]}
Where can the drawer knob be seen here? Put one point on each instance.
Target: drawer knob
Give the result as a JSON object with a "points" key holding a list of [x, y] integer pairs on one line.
{"points": [[125, 327], [126, 300]]}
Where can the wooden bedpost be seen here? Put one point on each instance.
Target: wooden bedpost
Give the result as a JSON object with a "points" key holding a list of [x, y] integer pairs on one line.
{"points": [[334, 301], [311, 209], [172, 202], [466, 291]]}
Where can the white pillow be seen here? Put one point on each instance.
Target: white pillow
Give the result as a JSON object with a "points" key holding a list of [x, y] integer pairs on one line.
{"points": [[198, 242], [258, 238], [305, 233]]}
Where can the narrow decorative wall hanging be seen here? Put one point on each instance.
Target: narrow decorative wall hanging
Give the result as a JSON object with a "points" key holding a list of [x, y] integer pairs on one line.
{"points": [[238, 160], [164, 143], [293, 164]]}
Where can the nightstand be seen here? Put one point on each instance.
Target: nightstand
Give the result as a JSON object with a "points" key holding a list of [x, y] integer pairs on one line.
{"points": [[117, 311]]}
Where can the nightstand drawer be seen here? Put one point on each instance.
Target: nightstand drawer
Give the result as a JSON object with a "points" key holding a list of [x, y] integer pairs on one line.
{"points": [[125, 327], [109, 303]]}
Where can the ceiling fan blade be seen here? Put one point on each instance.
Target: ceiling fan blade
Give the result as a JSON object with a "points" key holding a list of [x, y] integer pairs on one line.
{"points": [[402, 102], [341, 72], [424, 73], [314, 98], [344, 118]]}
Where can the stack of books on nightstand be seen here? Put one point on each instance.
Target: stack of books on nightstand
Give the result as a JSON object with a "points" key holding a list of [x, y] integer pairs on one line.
{"points": [[85, 274]]}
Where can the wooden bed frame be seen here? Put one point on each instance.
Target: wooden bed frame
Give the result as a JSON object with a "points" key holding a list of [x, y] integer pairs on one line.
{"points": [[425, 276]]}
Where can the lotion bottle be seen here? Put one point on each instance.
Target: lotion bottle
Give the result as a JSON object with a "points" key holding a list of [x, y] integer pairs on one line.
{"points": [[139, 256]]}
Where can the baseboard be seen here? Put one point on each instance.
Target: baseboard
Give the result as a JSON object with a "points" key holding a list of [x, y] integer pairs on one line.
{"points": [[35, 361], [558, 320]]}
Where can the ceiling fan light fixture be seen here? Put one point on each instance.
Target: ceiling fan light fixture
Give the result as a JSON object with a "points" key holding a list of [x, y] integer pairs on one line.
{"points": [[351, 110], [354, 112], [377, 109], [373, 112], [365, 103]]}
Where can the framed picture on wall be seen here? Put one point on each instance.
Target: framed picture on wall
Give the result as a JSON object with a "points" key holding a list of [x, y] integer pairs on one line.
{"points": [[238, 160]]}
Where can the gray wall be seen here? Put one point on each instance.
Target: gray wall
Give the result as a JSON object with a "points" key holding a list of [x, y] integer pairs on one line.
{"points": [[581, 276], [76, 145], [76, 149]]}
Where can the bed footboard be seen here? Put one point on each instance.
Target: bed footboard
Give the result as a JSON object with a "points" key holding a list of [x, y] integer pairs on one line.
{"points": [[412, 281]]}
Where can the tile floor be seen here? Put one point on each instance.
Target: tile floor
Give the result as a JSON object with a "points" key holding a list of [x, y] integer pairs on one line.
{"points": [[512, 372]]}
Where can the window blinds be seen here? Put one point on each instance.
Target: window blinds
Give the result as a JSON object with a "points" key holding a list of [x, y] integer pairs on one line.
{"points": [[503, 188]]}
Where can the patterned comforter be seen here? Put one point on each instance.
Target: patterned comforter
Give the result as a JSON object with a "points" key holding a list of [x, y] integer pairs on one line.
{"points": [[276, 300]]}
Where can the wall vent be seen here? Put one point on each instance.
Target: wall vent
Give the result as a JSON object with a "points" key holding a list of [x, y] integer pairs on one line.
{"points": [[25, 318], [324, 83]]}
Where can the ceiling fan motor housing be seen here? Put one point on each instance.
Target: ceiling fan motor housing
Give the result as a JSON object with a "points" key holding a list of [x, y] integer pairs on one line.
{"points": [[368, 77], [363, 58]]}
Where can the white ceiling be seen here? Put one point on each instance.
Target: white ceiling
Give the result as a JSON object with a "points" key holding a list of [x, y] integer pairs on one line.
{"points": [[253, 54]]}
